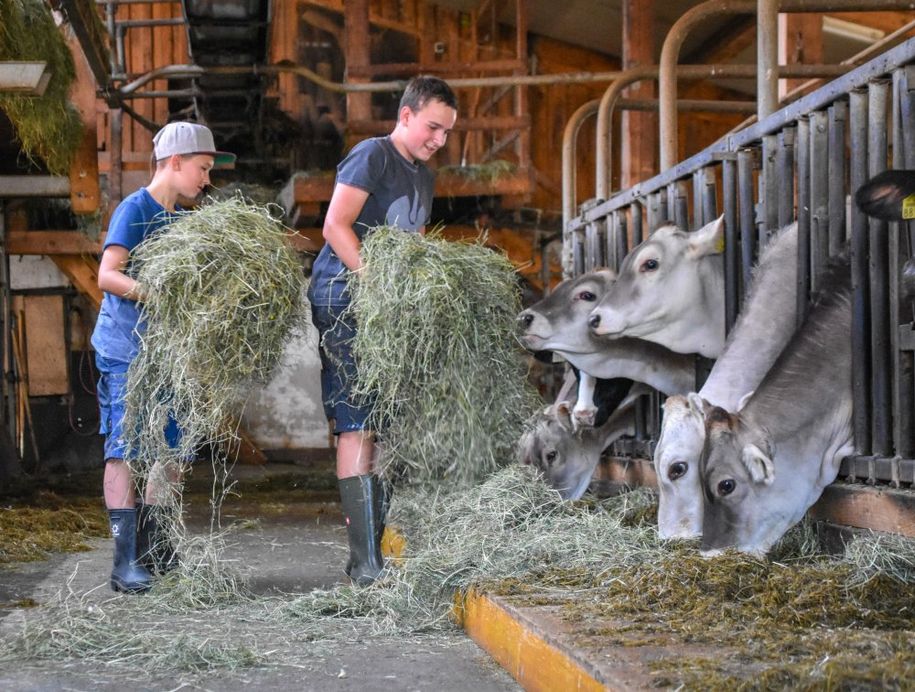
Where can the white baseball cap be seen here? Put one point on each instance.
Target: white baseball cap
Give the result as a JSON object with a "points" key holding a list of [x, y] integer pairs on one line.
{"points": [[188, 138]]}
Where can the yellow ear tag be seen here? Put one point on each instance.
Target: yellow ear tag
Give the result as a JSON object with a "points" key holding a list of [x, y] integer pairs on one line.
{"points": [[908, 207], [719, 246]]}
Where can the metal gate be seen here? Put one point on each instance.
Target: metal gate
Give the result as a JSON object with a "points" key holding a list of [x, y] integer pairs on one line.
{"points": [[801, 163]]}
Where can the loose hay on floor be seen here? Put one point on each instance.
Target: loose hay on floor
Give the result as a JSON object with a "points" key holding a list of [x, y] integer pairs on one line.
{"points": [[435, 349]]}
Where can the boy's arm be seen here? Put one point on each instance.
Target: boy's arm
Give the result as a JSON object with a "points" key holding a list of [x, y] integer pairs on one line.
{"points": [[345, 205], [111, 276]]}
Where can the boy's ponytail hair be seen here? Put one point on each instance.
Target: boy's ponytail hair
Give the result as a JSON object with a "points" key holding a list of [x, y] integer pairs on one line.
{"points": [[424, 88]]}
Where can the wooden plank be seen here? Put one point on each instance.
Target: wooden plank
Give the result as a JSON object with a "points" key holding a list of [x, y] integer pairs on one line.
{"points": [[504, 122], [84, 175], [356, 53], [83, 274], [46, 348], [639, 146], [867, 507], [51, 243], [802, 43]]}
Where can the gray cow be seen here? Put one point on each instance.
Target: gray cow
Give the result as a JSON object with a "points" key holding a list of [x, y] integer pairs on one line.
{"points": [[559, 323], [765, 465], [766, 323]]}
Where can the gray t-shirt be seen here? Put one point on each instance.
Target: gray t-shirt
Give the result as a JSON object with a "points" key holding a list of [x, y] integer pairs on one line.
{"points": [[400, 194]]}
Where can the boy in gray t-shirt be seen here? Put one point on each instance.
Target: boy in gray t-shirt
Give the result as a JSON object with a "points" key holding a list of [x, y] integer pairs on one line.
{"points": [[382, 181]]}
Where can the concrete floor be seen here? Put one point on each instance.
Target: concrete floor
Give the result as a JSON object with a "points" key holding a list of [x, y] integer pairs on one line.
{"points": [[281, 554]]}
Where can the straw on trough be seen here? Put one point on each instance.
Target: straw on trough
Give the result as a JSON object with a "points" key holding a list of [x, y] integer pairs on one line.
{"points": [[47, 126], [224, 293], [435, 350]]}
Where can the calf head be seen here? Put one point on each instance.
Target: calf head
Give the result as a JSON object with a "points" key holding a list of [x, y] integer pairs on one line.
{"points": [[559, 322], [744, 507], [662, 283], [677, 460], [565, 457]]}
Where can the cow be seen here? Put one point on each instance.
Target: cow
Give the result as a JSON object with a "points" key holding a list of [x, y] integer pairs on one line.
{"points": [[762, 467], [764, 327], [670, 290], [566, 453], [559, 323]]}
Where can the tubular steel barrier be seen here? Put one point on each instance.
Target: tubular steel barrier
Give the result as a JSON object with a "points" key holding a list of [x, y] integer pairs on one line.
{"points": [[802, 163]]}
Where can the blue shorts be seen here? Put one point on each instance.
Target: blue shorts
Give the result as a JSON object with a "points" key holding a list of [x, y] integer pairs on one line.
{"points": [[348, 411], [112, 384]]}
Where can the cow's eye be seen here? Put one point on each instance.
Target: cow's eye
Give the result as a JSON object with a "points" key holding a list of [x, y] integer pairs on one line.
{"points": [[587, 296], [677, 470], [649, 265], [726, 487], [551, 456]]}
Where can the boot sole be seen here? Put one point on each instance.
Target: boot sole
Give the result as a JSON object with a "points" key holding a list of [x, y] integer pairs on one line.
{"points": [[120, 587]]}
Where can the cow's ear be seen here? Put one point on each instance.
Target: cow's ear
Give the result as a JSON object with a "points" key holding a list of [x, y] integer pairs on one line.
{"points": [[743, 401], [697, 405], [607, 274], [759, 465], [564, 416], [708, 240]]}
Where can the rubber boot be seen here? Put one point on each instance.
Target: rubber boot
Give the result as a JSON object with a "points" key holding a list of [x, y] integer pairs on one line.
{"points": [[361, 498], [126, 575], [155, 550], [381, 500]]}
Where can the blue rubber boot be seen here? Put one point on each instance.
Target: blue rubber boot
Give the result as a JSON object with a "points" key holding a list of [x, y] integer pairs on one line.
{"points": [[127, 575]]}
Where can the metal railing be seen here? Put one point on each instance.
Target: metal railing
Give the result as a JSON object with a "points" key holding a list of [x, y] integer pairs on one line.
{"points": [[801, 164]]}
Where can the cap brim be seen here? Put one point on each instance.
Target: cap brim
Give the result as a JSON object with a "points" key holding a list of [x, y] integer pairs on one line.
{"points": [[223, 159]]}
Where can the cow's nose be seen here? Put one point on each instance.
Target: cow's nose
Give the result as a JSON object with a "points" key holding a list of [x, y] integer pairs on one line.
{"points": [[594, 321], [525, 319]]}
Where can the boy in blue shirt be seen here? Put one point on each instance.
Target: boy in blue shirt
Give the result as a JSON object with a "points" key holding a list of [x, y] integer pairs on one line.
{"points": [[184, 153], [382, 181]]}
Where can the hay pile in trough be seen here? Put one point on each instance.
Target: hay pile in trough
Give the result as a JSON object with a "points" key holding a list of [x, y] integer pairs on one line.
{"points": [[47, 126], [488, 172], [224, 293], [436, 351]]}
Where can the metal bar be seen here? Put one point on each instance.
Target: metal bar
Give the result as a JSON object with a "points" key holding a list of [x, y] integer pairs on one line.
{"points": [[881, 389], [803, 219], [903, 361], [681, 206], [785, 167], [34, 186], [731, 240], [860, 333], [698, 212], [124, 24], [7, 400], [819, 194], [636, 218], [768, 191], [766, 57], [838, 117], [747, 217], [622, 239], [569, 173]]}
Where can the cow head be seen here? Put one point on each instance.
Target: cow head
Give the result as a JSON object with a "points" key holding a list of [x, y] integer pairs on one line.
{"points": [[559, 322], [665, 285], [742, 502], [566, 458], [676, 460], [888, 196]]}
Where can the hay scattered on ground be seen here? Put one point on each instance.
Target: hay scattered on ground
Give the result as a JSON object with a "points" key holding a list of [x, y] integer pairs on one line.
{"points": [[436, 351], [511, 527], [30, 533], [48, 127], [224, 295]]}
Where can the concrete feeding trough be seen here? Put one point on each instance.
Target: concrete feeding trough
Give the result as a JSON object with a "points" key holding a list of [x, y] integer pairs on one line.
{"points": [[24, 78]]}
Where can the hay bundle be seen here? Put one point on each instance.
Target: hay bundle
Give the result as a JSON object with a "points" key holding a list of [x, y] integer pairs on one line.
{"points": [[435, 349], [47, 126], [223, 296]]}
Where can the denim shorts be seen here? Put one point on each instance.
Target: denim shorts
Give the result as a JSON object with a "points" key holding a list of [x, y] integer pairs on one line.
{"points": [[348, 411], [112, 385]]}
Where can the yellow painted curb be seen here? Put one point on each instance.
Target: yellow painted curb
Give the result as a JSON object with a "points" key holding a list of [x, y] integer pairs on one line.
{"points": [[536, 664]]}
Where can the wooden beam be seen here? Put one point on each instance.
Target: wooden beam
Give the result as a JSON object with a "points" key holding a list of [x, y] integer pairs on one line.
{"points": [[640, 130], [83, 274], [51, 243], [503, 122], [726, 44], [887, 22], [866, 507]]}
